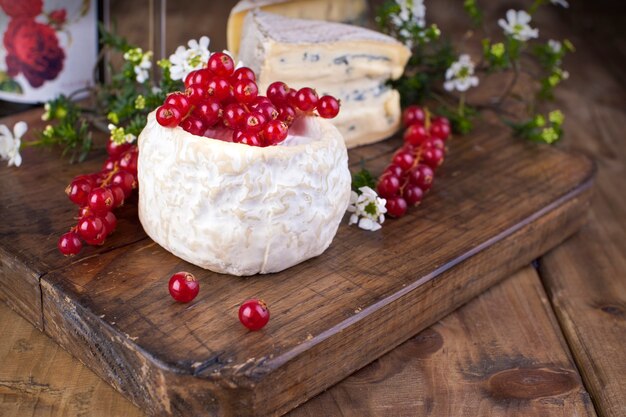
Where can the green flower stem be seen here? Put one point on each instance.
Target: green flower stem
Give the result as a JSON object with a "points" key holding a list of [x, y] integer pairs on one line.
{"points": [[462, 104]]}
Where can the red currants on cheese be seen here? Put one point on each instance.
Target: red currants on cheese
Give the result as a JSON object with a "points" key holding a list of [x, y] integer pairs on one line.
{"points": [[222, 97]]}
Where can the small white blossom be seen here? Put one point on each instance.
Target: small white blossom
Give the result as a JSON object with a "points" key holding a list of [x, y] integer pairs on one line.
{"points": [[460, 76], [185, 60], [411, 11], [10, 143], [46, 114], [517, 25], [562, 3], [142, 63], [368, 210], [555, 46]]}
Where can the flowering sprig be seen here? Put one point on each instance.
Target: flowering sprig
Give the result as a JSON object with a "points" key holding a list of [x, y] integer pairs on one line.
{"points": [[538, 129], [437, 72], [185, 60]]}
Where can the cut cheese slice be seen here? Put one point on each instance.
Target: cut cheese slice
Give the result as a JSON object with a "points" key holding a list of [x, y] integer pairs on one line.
{"points": [[238, 209], [348, 62], [331, 10]]}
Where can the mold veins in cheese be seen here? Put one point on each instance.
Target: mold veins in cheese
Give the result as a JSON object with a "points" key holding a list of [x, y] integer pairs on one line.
{"points": [[346, 61], [333, 10], [240, 209]]}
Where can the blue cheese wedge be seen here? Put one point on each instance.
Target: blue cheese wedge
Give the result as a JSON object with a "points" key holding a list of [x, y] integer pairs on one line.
{"points": [[349, 62], [331, 10]]}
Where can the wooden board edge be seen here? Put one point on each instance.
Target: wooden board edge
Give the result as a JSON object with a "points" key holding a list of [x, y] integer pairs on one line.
{"points": [[451, 291], [20, 289]]}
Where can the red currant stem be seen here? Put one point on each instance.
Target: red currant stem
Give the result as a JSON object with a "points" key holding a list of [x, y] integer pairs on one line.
{"points": [[428, 117], [107, 180]]}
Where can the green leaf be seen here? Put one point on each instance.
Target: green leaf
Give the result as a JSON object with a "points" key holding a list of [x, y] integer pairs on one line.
{"points": [[363, 178], [11, 86]]}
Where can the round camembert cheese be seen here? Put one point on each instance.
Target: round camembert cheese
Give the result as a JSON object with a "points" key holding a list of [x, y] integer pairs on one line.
{"points": [[239, 209]]}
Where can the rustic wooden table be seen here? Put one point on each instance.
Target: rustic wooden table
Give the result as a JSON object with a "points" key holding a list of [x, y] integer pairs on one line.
{"points": [[546, 341]]}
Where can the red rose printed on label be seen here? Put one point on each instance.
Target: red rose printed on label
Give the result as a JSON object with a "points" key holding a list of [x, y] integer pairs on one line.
{"points": [[32, 48]]}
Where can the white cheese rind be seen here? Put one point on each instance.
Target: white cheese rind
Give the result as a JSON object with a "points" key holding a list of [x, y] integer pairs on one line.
{"points": [[331, 10], [238, 209]]}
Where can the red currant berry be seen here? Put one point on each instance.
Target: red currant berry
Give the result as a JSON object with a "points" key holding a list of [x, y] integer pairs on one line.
{"points": [[388, 186], [404, 160], [125, 180], [396, 206], [194, 126], [180, 101], [115, 150], [196, 93], [189, 79], [110, 222], [415, 134], [440, 128], [98, 240], [219, 88], [306, 99], [128, 161], [233, 115], [287, 114], [278, 93], [245, 91], [413, 194], [118, 195], [393, 169], [413, 115], [237, 135], [209, 111], [78, 191], [253, 122], [328, 107], [109, 164], [200, 77], [261, 101], [101, 200], [292, 98], [248, 138], [221, 64], [254, 314], [422, 176], [168, 116], [244, 73], [69, 244], [275, 132], [89, 227], [268, 111], [183, 287], [435, 142], [433, 157]]}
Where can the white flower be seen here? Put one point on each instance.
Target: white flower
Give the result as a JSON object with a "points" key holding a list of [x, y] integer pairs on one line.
{"points": [[142, 63], [562, 3], [460, 76], [517, 25], [185, 60], [555, 46], [368, 210], [411, 11], [10, 143]]}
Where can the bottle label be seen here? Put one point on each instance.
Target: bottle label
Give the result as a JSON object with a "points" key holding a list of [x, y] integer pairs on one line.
{"points": [[48, 48]]}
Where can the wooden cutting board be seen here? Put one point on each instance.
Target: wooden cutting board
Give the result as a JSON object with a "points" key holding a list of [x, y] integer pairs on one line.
{"points": [[497, 204]]}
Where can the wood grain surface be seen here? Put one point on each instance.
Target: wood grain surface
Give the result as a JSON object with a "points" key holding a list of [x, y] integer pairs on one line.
{"points": [[332, 315], [487, 358]]}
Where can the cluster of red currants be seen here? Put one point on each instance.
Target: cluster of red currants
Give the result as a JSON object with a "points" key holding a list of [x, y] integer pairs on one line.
{"points": [[412, 170], [97, 195], [220, 96], [253, 313]]}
